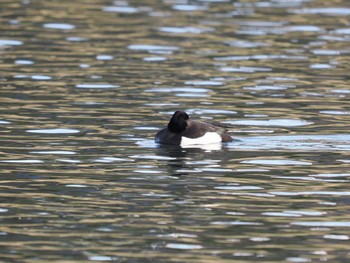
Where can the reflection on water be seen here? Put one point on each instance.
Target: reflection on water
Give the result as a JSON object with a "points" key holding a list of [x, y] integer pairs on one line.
{"points": [[85, 85]]}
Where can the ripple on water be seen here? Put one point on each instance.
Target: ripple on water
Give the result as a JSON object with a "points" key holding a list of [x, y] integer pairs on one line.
{"points": [[261, 57], [76, 39], [322, 224], [104, 57], [8, 42], [183, 91], [184, 30], [243, 69], [24, 62], [326, 193], [294, 213], [189, 8], [146, 128], [329, 175], [238, 188], [280, 214], [345, 91], [177, 235], [209, 111], [323, 10], [183, 246], [204, 83], [147, 171], [22, 161], [307, 213], [54, 152], [246, 44], [336, 237], [54, 131], [236, 223], [260, 23], [121, 9], [328, 52], [84, 65], [304, 28], [154, 59], [342, 31], [321, 66], [96, 86], [102, 258], [218, 170], [21, 76], [110, 160], [273, 122], [335, 112], [152, 157], [294, 142], [68, 161], [4, 122], [265, 87], [298, 259], [276, 162], [60, 26], [76, 185], [179, 89], [153, 48], [41, 77]]}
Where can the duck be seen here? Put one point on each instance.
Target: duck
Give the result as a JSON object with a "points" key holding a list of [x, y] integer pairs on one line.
{"points": [[184, 131]]}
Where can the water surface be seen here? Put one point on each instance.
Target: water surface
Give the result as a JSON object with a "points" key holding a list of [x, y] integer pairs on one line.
{"points": [[85, 85]]}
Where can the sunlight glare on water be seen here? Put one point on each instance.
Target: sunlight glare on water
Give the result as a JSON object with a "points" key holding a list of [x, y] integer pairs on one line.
{"points": [[85, 86]]}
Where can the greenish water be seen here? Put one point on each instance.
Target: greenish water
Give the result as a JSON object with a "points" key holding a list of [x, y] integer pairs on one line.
{"points": [[86, 84]]}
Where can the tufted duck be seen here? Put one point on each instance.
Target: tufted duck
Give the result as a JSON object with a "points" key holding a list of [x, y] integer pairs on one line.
{"points": [[184, 131]]}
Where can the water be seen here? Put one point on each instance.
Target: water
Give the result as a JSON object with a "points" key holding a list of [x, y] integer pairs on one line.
{"points": [[85, 85]]}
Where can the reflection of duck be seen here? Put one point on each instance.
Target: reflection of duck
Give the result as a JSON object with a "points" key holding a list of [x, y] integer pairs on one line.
{"points": [[184, 131], [181, 161]]}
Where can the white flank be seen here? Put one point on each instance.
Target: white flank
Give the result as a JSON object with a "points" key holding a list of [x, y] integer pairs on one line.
{"points": [[208, 138]]}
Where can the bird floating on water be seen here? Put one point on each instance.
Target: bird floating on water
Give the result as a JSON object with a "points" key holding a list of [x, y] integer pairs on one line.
{"points": [[184, 131]]}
